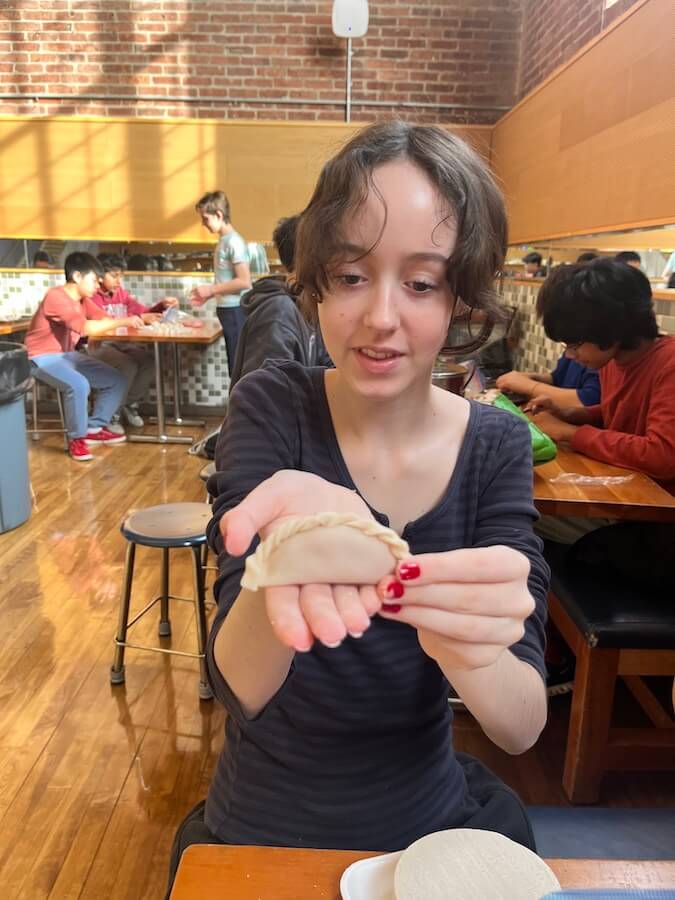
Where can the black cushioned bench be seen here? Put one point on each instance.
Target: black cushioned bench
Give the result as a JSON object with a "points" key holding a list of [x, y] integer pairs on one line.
{"points": [[616, 628]]}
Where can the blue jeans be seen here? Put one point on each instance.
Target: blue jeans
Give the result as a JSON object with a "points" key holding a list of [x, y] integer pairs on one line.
{"points": [[232, 320], [74, 374]]}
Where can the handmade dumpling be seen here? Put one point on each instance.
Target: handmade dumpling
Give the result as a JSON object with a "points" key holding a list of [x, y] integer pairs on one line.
{"points": [[328, 548]]}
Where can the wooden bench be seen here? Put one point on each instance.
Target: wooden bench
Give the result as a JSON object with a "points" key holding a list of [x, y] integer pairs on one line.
{"points": [[616, 629]]}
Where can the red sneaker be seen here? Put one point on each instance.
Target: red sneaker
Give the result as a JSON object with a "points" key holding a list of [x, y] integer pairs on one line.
{"points": [[78, 450], [104, 437]]}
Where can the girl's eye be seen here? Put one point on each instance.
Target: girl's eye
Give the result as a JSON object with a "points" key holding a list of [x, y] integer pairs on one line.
{"points": [[349, 278], [421, 287]]}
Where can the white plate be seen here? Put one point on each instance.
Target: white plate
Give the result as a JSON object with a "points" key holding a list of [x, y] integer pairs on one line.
{"points": [[370, 879]]}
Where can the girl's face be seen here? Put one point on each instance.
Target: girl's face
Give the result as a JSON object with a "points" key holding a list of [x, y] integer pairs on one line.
{"points": [[386, 316]]}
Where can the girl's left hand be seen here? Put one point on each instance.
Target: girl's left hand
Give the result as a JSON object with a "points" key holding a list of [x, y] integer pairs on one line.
{"points": [[169, 302], [468, 605]]}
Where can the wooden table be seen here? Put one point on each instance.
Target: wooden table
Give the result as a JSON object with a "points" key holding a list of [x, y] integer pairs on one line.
{"points": [[14, 327], [207, 334], [209, 872], [638, 499]]}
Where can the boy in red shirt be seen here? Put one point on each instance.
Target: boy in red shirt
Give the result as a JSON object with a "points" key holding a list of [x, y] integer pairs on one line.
{"points": [[66, 315], [134, 361], [603, 312]]}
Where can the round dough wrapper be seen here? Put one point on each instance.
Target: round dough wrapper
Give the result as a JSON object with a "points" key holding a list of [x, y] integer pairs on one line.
{"points": [[325, 551], [470, 864]]}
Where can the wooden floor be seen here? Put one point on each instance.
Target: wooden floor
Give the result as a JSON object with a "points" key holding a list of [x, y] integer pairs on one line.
{"points": [[94, 779]]}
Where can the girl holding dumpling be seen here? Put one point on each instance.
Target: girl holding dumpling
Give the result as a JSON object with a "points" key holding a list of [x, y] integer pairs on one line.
{"points": [[339, 733]]}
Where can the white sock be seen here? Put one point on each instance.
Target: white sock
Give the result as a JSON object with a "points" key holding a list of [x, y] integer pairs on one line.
{"points": [[94, 430]]}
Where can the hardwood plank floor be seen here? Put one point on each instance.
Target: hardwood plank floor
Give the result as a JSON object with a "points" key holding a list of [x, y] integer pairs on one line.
{"points": [[94, 779]]}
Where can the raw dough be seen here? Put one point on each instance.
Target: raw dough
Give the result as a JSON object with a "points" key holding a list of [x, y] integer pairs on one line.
{"points": [[470, 864], [328, 548]]}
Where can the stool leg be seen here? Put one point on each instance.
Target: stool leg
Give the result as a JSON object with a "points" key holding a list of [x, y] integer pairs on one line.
{"points": [[117, 668], [205, 555], [59, 401], [164, 629], [205, 692]]}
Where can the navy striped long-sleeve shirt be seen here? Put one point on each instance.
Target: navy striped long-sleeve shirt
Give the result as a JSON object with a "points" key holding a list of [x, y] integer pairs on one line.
{"points": [[355, 749]]}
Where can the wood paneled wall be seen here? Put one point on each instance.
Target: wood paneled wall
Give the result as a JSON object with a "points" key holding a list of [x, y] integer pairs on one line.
{"points": [[131, 179], [593, 148]]}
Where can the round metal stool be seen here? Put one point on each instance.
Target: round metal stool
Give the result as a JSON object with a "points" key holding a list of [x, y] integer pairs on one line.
{"points": [[165, 527]]}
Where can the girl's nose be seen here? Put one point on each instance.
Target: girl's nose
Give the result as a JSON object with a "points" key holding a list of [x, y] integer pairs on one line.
{"points": [[382, 308]]}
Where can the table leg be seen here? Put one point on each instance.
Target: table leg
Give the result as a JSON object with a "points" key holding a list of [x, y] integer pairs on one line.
{"points": [[161, 437], [177, 417]]}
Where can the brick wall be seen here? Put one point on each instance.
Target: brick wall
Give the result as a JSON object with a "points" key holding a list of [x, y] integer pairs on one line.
{"points": [[448, 60], [553, 31]]}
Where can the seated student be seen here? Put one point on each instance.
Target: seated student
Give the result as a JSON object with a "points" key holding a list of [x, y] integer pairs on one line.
{"points": [[629, 258], [134, 361], [603, 311], [274, 327], [587, 256], [338, 731], [42, 260], [533, 266], [66, 315], [569, 384]]}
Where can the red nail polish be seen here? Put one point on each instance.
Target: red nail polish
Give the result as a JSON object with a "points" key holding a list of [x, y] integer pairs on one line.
{"points": [[408, 571], [394, 589], [391, 607]]}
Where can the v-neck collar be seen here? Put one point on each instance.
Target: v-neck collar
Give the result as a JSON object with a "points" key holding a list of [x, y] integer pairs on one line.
{"points": [[345, 477]]}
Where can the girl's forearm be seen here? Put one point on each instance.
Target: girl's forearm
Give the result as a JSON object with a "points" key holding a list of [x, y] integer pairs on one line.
{"points": [[508, 699], [249, 656]]}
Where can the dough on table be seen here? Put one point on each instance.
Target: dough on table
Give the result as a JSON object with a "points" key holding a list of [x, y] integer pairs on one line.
{"points": [[328, 548], [470, 864]]}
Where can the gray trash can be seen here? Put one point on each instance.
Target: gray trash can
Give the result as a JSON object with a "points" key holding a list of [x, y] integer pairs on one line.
{"points": [[15, 379]]}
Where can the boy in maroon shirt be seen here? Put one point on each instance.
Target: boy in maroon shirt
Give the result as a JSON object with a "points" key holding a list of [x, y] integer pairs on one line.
{"points": [[134, 361], [66, 315]]}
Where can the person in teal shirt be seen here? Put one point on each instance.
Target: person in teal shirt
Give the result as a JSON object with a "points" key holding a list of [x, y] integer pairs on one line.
{"points": [[232, 275]]}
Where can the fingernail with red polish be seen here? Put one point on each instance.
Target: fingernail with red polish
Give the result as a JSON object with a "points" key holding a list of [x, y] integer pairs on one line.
{"points": [[391, 607], [408, 571], [394, 589]]}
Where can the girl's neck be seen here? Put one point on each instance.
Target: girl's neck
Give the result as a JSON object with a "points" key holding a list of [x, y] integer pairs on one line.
{"points": [[393, 421]]}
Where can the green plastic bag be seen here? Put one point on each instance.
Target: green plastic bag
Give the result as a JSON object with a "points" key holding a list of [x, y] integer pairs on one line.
{"points": [[543, 448]]}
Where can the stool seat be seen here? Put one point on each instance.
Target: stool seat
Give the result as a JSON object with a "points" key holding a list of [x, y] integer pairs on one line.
{"points": [[207, 471], [609, 610], [168, 525]]}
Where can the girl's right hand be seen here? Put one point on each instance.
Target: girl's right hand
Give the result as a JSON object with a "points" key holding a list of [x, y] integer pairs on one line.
{"points": [[299, 614]]}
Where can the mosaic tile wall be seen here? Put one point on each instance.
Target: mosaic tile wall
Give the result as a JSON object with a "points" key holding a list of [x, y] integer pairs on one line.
{"points": [[204, 373], [534, 352]]}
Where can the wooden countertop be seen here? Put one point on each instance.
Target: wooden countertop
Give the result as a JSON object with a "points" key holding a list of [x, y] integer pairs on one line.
{"points": [[207, 334], [640, 499], [210, 872]]}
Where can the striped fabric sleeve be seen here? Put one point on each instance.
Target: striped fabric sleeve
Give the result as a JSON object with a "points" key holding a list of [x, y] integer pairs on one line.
{"points": [[506, 514], [257, 440]]}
